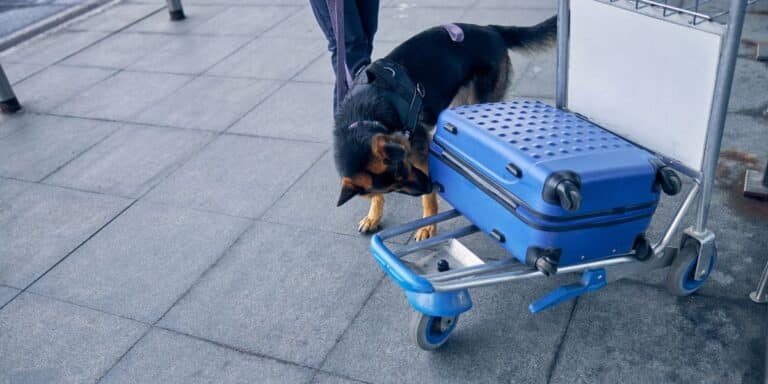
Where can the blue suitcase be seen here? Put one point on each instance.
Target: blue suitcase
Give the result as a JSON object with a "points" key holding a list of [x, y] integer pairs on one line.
{"points": [[551, 187]]}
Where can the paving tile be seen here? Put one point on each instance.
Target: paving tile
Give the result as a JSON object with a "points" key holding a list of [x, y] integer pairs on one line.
{"points": [[324, 378], [52, 47], [634, 334], [143, 261], [46, 341], [9, 189], [123, 96], [301, 24], [43, 224], [425, 3], [250, 2], [497, 341], [538, 79], [296, 111], [398, 24], [6, 294], [16, 72], [755, 26], [167, 357], [311, 203], [281, 292], [507, 16], [238, 175], [116, 18], [189, 54], [208, 103], [749, 83], [131, 161], [265, 58], [319, 71], [516, 4], [55, 85], [119, 51], [160, 23], [10, 123], [248, 21], [42, 144]]}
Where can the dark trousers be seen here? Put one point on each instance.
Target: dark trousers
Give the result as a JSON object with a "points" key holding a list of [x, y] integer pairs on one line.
{"points": [[361, 18]]}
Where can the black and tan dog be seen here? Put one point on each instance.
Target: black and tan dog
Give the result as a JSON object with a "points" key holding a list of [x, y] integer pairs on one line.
{"points": [[384, 125]]}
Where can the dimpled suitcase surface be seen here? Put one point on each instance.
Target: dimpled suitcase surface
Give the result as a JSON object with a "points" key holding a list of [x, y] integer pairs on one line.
{"points": [[543, 181]]}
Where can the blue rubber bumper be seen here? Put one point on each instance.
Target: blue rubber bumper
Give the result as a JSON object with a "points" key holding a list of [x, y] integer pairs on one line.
{"points": [[419, 292]]}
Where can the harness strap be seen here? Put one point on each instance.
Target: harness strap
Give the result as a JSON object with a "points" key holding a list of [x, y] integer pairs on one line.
{"points": [[406, 96], [455, 32]]}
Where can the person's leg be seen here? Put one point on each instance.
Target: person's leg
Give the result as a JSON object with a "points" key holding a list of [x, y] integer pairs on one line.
{"points": [[323, 17], [359, 28], [369, 16], [358, 42]]}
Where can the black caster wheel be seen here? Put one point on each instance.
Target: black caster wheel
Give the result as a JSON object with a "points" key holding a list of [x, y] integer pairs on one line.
{"points": [[546, 265], [680, 277], [431, 332], [642, 248]]}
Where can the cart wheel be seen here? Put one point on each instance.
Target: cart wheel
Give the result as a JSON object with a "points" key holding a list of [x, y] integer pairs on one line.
{"points": [[680, 277], [431, 332]]}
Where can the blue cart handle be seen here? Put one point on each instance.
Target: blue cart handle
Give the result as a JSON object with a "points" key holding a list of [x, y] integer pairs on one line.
{"points": [[404, 276]]}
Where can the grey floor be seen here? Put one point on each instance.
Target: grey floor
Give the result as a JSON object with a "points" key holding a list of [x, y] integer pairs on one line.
{"points": [[167, 216]]}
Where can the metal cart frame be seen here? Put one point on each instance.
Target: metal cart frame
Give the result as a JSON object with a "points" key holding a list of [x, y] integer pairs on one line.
{"points": [[439, 297]]}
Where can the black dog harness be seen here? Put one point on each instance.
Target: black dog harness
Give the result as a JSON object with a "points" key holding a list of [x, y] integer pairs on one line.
{"points": [[394, 86]]}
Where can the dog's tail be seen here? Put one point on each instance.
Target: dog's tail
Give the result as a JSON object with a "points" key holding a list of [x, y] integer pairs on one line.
{"points": [[535, 37]]}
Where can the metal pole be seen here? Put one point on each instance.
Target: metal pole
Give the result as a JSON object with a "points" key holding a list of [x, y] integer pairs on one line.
{"points": [[175, 10], [719, 110], [761, 294], [8, 101], [563, 31]]}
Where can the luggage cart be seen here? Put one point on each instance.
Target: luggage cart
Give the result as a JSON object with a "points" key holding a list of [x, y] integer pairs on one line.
{"points": [[666, 90]]}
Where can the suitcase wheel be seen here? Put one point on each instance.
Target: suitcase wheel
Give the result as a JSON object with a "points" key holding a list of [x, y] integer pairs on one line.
{"points": [[431, 332], [569, 195], [642, 248], [563, 188], [669, 180], [680, 277], [546, 266]]}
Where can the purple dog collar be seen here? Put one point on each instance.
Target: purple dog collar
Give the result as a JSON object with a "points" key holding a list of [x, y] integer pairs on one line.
{"points": [[455, 32]]}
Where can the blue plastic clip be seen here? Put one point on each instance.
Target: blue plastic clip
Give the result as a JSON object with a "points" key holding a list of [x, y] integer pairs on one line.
{"points": [[591, 281]]}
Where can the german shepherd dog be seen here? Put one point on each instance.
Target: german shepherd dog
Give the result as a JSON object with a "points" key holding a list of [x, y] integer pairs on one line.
{"points": [[375, 156]]}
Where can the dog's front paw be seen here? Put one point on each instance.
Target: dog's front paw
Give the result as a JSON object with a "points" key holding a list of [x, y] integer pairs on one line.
{"points": [[426, 232], [368, 224]]}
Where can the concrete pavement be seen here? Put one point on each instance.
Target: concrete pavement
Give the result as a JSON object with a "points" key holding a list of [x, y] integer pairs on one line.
{"points": [[167, 215]]}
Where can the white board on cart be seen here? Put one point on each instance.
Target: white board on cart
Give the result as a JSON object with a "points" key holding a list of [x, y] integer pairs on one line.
{"points": [[646, 76]]}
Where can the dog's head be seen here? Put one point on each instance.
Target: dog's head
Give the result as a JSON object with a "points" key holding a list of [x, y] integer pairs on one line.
{"points": [[380, 163]]}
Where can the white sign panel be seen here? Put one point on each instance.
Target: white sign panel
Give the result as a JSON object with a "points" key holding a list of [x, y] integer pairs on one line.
{"points": [[649, 79]]}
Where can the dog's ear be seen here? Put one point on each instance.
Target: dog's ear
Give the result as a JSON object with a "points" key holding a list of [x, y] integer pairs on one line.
{"points": [[378, 142], [384, 147], [348, 191]]}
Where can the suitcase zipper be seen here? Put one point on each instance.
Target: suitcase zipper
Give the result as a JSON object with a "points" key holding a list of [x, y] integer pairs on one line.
{"points": [[511, 202], [468, 171]]}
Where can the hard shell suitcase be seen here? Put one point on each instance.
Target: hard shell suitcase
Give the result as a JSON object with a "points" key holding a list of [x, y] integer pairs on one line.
{"points": [[551, 187]]}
